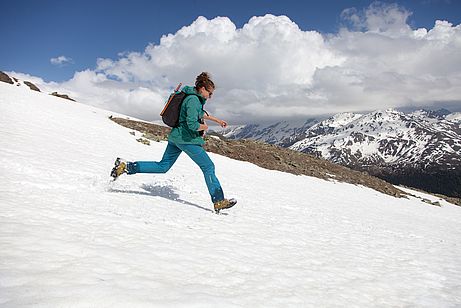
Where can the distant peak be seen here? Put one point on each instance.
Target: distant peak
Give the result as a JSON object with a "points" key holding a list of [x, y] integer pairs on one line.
{"points": [[392, 110], [436, 114]]}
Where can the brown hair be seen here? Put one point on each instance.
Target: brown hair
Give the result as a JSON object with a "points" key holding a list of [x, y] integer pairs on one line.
{"points": [[204, 80]]}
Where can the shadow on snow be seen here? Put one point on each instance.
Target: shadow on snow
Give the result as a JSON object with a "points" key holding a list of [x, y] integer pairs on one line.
{"points": [[166, 192]]}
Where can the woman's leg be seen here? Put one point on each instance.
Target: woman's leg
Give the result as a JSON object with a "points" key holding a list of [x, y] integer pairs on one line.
{"points": [[169, 158], [201, 158]]}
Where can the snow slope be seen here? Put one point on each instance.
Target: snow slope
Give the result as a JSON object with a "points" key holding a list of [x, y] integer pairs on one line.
{"points": [[69, 238]]}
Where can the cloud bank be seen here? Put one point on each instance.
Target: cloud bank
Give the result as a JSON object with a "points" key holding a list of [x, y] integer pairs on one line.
{"points": [[272, 70]]}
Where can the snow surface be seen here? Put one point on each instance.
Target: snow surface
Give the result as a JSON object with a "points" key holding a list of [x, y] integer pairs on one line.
{"points": [[69, 238], [341, 119], [455, 117]]}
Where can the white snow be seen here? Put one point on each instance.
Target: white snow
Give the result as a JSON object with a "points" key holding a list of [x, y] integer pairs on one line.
{"points": [[455, 117], [69, 238], [340, 119]]}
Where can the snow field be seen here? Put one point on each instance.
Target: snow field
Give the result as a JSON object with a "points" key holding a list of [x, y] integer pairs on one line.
{"points": [[70, 238]]}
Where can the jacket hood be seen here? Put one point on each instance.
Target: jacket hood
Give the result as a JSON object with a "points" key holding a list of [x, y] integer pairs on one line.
{"points": [[191, 90]]}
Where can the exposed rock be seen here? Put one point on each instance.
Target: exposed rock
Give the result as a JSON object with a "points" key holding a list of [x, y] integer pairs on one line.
{"points": [[31, 86], [65, 96], [5, 78], [143, 141], [150, 136]]}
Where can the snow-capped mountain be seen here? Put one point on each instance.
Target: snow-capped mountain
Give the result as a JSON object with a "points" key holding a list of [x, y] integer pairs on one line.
{"points": [[423, 146], [422, 138], [279, 133]]}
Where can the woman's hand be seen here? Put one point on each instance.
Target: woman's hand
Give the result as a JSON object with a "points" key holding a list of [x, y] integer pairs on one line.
{"points": [[203, 127], [212, 118], [222, 123]]}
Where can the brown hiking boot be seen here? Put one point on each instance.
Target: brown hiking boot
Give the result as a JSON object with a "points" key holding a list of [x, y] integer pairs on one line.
{"points": [[119, 168], [224, 204]]}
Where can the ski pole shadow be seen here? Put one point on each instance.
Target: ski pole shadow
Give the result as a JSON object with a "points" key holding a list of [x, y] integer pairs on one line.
{"points": [[166, 192]]}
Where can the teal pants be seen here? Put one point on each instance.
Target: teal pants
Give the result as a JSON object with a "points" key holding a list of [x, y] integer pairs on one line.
{"points": [[172, 152]]}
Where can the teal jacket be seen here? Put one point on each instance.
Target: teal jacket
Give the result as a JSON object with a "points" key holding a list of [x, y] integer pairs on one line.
{"points": [[190, 114]]}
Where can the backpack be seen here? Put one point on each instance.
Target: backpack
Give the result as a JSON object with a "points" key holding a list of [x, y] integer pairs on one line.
{"points": [[170, 113]]}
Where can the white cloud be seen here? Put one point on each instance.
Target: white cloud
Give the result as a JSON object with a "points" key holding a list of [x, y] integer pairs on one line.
{"points": [[61, 60], [256, 66], [379, 17], [271, 69]]}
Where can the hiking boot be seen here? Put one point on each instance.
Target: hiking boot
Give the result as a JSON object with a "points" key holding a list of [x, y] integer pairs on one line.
{"points": [[224, 204], [119, 168]]}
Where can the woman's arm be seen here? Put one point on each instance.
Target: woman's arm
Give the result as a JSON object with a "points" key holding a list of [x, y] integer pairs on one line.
{"points": [[212, 118]]}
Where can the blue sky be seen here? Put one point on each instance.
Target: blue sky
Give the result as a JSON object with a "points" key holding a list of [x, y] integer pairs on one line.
{"points": [[34, 32]]}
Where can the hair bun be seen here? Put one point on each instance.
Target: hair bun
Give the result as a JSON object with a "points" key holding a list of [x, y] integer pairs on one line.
{"points": [[204, 79], [204, 76]]}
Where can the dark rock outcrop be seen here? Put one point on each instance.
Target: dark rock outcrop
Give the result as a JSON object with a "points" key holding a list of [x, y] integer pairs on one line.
{"points": [[65, 96], [32, 86], [5, 78]]}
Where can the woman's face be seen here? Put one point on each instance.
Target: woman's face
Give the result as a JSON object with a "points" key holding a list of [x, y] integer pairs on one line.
{"points": [[205, 92]]}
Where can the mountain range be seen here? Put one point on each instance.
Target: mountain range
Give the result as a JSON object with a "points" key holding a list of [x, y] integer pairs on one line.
{"points": [[421, 149], [277, 133]]}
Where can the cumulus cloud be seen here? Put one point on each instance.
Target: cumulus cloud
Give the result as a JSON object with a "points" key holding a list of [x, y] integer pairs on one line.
{"points": [[61, 61], [379, 17], [270, 69]]}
